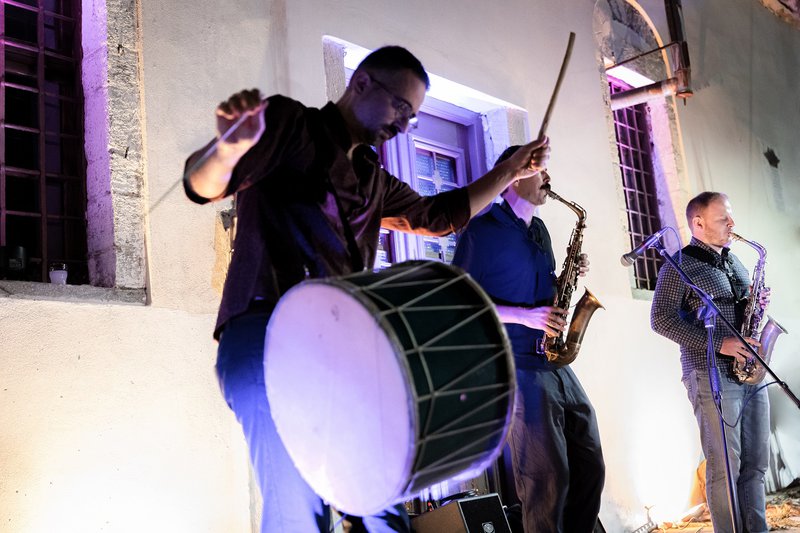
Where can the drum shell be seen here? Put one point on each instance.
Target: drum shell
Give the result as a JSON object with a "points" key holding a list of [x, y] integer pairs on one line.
{"points": [[455, 363]]}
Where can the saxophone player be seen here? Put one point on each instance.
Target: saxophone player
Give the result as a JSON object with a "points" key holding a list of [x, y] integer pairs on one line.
{"points": [[555, 443], [714, 269]]}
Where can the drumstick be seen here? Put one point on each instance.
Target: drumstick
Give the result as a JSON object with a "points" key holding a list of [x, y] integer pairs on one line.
{"points": [[203, 158], [213, 148], [551, 105]]}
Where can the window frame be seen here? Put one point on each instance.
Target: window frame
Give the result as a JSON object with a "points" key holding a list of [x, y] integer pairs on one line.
{"points": [[114, 145], [399, 157]]}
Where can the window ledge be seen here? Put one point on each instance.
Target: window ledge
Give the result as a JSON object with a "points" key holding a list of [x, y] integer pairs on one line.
{"points": [[30, 290]]}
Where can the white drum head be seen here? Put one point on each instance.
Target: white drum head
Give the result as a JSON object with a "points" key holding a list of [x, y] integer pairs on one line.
{"points": [[340, 398]]}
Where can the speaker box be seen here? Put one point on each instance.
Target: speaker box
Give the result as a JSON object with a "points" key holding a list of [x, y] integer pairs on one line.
{"points": [[482, 514]]}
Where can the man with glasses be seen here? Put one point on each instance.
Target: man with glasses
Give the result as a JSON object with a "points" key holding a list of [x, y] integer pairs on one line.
{"points": [[311, 199]]}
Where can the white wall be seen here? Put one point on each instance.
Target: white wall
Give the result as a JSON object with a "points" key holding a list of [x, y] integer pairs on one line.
{"points": [[137, 424], [112, 422]]}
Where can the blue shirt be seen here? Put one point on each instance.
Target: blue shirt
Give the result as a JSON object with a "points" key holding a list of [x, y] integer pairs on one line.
{"points": [[514, 264]]}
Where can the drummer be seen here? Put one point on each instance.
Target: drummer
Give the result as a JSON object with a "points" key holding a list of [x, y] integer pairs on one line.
{"points": [[311, 198]]}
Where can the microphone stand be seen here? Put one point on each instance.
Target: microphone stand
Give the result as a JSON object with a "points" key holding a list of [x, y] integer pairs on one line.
{"points": [[709, 313]]}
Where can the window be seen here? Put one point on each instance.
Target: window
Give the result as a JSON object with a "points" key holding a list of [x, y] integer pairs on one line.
{"points": [[438, 156], [461, 132], [437, 169], [42, 167], [632, 129]]}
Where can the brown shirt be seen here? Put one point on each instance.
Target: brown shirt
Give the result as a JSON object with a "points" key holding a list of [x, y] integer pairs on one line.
{"points": [[289, 227]]}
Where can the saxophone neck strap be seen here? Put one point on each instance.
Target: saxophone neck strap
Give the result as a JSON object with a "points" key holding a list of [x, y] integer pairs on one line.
{"points": [[717, 261], [721, 262]]}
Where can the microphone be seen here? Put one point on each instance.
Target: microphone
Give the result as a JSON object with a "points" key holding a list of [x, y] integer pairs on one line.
{"points": [[629, 258]]}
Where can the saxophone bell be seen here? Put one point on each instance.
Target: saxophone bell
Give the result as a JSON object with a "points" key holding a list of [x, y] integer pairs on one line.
{"points": [[752, 372]]}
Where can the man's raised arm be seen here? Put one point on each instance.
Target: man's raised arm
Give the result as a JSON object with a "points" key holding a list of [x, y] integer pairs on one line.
{"points": [[209, 168]]}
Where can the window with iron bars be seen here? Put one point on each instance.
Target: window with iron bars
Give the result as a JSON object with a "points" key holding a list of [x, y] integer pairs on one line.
{"points": [[634, 146], [42, 162]]}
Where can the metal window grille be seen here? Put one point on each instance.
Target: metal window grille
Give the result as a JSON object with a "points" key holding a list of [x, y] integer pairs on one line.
{"points": [[42, 164], [638, 182]]}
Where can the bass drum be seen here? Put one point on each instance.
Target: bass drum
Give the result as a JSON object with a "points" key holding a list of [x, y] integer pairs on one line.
{"points": [[384, 383]]}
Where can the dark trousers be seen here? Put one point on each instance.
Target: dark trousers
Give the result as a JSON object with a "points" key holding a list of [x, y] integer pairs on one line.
{"points": [[555, 444]]}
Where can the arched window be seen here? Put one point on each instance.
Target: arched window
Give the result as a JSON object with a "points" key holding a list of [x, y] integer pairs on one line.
{"points": [[645, 140]]}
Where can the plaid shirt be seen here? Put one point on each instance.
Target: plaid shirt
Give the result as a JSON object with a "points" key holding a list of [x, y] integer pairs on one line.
{"points": [[674, 310]]}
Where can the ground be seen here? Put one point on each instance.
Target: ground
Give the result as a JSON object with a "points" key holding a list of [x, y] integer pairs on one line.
{"points": [[783, 514]]}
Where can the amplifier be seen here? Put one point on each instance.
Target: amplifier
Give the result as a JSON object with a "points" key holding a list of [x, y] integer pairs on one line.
{"points": [[481, 514]]}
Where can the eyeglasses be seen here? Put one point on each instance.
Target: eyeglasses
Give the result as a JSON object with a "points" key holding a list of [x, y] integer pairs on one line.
{"points": [[401, 105]]}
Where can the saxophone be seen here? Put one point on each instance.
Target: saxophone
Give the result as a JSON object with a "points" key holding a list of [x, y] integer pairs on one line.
{"points": [[558, 350], [752, 372]]}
